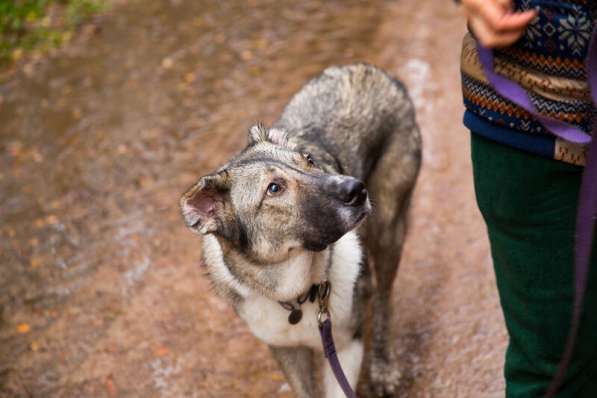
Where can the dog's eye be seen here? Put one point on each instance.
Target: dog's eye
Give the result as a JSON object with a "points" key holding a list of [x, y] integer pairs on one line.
{"points": [[273, 188], [309, 158]]}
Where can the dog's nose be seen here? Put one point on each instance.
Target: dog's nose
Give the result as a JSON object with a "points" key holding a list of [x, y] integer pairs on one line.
{"points": [[352, 192]]}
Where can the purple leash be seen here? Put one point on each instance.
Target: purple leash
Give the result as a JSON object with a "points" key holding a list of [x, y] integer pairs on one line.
{"points": [[587, 207], [327, 340], [329, 349]]}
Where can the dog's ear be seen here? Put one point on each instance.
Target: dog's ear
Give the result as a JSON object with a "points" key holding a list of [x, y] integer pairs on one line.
{"points": [[258, 133], [203, 204], [277, 137]]}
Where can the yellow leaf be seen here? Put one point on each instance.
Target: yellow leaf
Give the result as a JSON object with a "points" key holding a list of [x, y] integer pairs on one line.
{"points": [[23, 328], [35, 262], [260, 43], [189, 77], [17, 54]]}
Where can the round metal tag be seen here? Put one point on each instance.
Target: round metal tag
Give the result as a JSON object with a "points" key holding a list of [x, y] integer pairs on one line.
{"points": [[295, 316]]}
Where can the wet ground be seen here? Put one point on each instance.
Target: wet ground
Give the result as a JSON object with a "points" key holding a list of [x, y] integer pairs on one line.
{"points": [[101, 293]]}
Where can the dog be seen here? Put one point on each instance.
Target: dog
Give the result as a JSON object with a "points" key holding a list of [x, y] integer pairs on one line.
{"points": [[294, 209]]}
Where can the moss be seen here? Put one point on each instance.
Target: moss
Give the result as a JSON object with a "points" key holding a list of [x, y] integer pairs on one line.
{"points": [[29, 25]]}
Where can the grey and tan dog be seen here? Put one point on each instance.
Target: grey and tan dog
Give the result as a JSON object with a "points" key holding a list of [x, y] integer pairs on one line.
{"points": [[288, 213]]}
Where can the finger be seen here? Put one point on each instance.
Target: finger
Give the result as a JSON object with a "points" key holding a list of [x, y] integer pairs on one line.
{"points": [[500, 19], [490, 38], [512, 21], [506, 5]]}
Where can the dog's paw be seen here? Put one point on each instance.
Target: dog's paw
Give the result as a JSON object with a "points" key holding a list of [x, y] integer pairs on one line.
{"points": [[384, 379]]}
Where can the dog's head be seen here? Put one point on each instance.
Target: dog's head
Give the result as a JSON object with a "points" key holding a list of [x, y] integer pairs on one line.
{"points": [[272, 199]]}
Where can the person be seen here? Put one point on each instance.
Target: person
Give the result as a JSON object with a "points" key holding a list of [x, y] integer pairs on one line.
{"points": [[527, 182]]}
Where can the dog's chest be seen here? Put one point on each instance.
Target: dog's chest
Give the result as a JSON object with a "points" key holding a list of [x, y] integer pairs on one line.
{"points": [[268, 320]]}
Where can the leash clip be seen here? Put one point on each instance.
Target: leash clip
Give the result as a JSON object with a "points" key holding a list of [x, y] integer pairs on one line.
{"points": [[323, 297]]}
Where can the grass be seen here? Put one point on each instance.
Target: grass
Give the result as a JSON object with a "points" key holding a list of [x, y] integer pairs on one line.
{"points": [[38, 25]]}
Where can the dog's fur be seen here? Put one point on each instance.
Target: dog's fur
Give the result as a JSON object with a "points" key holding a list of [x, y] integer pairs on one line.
{"points": [[286, 213]]}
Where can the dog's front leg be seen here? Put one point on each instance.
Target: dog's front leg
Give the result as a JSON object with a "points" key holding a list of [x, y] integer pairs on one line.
{"points": [[298, 366], [350, 358]]}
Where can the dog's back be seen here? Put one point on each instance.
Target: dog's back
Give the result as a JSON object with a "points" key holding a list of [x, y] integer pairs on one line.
{"points": [[351, 113]]}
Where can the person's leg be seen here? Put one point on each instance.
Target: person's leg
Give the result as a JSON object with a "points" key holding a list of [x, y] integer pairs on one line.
{"points": [[529, 205]]}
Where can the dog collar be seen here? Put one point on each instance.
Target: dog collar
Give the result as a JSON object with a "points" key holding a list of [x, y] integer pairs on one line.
{"points": [[315, 291]]}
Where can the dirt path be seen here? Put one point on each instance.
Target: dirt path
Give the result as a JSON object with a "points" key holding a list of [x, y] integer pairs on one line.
{"points": [[451, 336], [101, 294]]}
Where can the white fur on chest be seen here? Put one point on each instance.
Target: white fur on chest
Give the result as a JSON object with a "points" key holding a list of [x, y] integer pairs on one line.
{"points": [[269, 321]]}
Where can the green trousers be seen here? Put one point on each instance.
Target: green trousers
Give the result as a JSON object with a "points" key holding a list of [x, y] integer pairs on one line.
{"points": [[529, 206]]}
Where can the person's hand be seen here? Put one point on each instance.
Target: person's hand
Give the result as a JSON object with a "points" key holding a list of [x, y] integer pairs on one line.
{"points": [[493, 22]]}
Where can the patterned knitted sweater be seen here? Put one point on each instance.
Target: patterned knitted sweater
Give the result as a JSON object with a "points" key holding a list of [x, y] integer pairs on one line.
{"points": [[549, 62]]}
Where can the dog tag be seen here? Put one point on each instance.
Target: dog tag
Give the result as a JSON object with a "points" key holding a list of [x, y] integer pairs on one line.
{"points": [[295, 316]]}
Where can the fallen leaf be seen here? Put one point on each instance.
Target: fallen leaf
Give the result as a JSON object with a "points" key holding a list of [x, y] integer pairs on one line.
{"points": [[36, 155], [111, 387], [261, 43], [15, 148], [144, 181], [35, 262], [167, 63], [189, 77], [17, 54], [23, 328], [161, 351], [246, 55]]}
